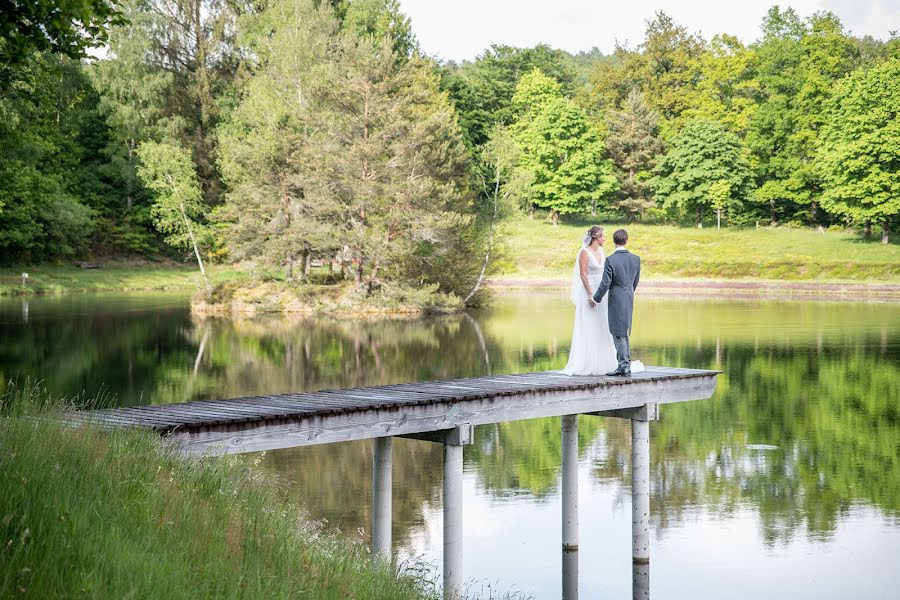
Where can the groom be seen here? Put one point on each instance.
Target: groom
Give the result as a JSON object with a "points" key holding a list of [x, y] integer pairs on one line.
{"points": [[620, 277]]}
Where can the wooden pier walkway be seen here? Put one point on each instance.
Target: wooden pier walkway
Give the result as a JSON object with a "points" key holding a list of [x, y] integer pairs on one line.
{"points": [[438, 411]]}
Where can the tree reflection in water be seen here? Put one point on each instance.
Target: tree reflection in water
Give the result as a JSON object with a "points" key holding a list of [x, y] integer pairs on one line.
{"points": [[818, 382]]}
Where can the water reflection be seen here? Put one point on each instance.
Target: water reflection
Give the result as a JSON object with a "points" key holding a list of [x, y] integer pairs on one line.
{"points": [[569, 574], [640, 581], [800, 440]]}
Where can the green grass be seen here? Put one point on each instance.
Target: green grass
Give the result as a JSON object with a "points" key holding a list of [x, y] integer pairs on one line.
{"points": [[51, 279], [114, 514], [537, 250]]}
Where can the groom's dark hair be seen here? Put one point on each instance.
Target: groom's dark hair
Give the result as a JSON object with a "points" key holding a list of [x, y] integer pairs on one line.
{"points": [[620, 237]]}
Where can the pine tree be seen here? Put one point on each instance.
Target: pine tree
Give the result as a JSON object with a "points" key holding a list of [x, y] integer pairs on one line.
{"points": [[387, 149], [267, 214], [634, 146], [339, 146]]}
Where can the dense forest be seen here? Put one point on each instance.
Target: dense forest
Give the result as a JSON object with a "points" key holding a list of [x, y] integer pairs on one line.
{"points": [[289, 131]]}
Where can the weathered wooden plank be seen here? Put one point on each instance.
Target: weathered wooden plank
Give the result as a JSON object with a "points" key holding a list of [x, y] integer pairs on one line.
{"points": [[408, 419], [335, 401], [219, 407], [109, 420], [177, 413], [378, 394], [128, 416]]}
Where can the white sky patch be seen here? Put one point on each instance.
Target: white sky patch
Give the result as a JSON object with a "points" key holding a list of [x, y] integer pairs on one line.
{"points": [[463, 29]]}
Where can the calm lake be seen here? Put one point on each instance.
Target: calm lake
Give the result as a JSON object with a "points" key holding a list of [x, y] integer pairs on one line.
{"points": [[786, 484]]}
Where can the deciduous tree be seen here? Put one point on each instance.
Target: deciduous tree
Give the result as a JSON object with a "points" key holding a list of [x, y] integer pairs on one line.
{"points": [[704, 162], [562, 151], [859, 158], [482, 90], [64, 27], [168, 171]]}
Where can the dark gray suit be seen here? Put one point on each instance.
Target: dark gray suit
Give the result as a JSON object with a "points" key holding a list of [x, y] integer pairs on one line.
{"points": [[621, 274]]}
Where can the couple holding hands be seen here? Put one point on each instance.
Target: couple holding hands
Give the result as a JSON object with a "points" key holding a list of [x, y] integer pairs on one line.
{"points": [[603, 292]]}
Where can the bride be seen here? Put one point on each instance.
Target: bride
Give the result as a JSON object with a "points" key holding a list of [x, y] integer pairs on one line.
{"points": [[592, 351]]}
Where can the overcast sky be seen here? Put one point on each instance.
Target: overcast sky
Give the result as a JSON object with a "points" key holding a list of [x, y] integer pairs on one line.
{"points": [[462, 29]]}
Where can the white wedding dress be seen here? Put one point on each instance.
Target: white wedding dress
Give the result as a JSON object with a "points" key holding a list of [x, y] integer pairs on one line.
{"points": [[592, 351]]}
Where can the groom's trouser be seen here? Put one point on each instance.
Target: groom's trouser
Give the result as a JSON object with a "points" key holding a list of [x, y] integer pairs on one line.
{"points": [[622, 352]]}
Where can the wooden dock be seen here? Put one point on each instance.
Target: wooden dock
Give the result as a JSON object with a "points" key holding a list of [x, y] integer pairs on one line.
{"points": [[438, 411]]}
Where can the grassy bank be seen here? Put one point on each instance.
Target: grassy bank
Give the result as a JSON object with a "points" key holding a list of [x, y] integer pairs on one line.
{"points": [[537, 250], [54, 279], [113, 277], [534, 250], [99, 514]]}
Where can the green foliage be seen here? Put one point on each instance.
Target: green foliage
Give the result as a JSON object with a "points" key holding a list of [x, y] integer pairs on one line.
{"points": [[859, 160], [381, 20], [168, 171], [560, 150], [669, 65], [133, 101], [482, 90], [506, 185], [266, 101], [665, 69], [799, 64], [266, 212], [634, 146], [64, 27], [704, 161], [49, 175], [728, 88], [363, 156]]}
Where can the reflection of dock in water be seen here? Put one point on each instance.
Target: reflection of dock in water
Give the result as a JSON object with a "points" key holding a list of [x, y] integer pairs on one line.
{"points": [[443, 412]]}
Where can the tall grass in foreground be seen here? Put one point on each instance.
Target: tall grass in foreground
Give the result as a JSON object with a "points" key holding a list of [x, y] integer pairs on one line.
{"points": [[86, 512]]}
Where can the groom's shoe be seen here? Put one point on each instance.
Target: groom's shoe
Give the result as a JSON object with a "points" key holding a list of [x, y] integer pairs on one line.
{"points": [[617, 373]]}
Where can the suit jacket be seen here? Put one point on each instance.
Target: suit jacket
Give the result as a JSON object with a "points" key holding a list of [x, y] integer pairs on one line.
{"points": [[621, 274]]}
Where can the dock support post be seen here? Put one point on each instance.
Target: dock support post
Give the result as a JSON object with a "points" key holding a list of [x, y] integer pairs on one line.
{"points": [[382, 498], [453, 440], [569, 497], [640, 491], [453, 513]]}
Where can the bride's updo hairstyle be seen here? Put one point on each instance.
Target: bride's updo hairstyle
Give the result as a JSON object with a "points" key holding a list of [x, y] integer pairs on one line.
{"points": [[593, 233]]}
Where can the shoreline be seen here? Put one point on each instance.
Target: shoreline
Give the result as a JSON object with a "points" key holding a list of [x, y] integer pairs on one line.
{"points": [[847, 291], [736, 289]]}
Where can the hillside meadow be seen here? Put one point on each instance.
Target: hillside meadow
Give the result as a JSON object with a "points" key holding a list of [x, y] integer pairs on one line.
{"points": [[534, 249]]}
